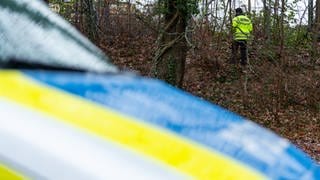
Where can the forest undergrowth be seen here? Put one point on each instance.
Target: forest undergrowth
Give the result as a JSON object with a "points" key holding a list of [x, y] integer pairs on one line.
{"points": [[283, 97]]}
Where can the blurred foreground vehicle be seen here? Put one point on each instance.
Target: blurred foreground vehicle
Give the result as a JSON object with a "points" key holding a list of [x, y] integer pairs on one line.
{"points": [[66, 113]]}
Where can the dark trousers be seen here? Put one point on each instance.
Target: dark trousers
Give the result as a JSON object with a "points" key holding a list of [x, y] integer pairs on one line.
{"points": [[243, 51]]}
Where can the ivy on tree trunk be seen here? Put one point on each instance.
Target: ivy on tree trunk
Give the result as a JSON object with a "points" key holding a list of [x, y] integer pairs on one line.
{"points": [[170, 57]]}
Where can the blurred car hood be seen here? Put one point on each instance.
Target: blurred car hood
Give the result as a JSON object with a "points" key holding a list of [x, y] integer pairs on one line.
{"points": [[32, 34]]}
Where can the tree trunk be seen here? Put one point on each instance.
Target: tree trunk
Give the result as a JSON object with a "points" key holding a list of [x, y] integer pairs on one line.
{"points": [[310, 14], [129, 17], [169, 62], [90, 17], [266, 12], [276, 21], [281, 33], [315, 34]]}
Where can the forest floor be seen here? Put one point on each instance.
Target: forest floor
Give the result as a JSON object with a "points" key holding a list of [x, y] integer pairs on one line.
{"points": [[287, 103]]}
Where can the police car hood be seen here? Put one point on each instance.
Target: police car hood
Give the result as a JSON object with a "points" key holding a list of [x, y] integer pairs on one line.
{"points": [[97, 123]]}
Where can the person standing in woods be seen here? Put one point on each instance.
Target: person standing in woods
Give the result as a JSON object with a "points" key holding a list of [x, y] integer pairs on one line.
{"points": [[241, 27]]}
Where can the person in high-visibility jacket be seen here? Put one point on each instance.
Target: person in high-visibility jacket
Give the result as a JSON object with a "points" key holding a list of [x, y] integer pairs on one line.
{"points": [[242, 28]]}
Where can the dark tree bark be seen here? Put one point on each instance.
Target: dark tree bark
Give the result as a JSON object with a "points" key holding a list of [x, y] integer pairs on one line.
{"points": [[310, 14], [266, 21], [281, 33], [90, 17], [169, 62], [316, 34], [317, 19]]}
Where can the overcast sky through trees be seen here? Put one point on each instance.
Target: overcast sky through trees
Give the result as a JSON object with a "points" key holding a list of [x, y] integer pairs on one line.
{"points": [[299, 8]]}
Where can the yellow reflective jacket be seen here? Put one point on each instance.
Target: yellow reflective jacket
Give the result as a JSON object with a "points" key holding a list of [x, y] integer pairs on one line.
{"points": [[242, 27]]}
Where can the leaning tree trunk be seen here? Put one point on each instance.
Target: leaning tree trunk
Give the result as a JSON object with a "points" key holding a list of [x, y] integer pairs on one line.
{"points": [[169, 61]]}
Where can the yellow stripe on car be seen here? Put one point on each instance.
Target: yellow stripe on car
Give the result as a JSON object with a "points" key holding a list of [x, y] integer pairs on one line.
{"points": [[177, 152], [7, 173]]}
